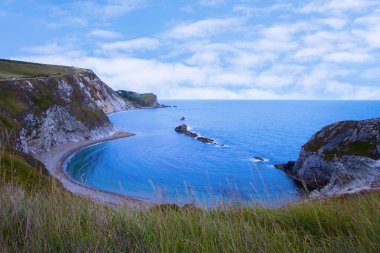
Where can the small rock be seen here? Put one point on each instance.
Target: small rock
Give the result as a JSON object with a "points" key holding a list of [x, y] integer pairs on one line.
{"points": [[205, 140], [182, 129], [258, 158]]}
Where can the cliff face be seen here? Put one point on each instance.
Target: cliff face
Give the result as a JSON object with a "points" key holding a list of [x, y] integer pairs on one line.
{"points": [[342, 157], [38, 113]]}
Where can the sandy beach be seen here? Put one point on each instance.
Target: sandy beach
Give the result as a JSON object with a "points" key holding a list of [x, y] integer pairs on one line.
{"points": [[55, 158]]}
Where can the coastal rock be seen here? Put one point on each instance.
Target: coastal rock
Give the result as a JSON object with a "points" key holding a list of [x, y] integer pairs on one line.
{"points": [[183, 129], [40, 112], [341, 158], [205, 140], [287, 167], [258, 158]]}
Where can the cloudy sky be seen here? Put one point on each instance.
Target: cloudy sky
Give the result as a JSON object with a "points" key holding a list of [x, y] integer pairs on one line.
{"points": [[215, 49]]}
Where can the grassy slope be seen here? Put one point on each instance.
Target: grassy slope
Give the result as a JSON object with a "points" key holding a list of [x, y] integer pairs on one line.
{"points": [[50, 219], [17, 69]]}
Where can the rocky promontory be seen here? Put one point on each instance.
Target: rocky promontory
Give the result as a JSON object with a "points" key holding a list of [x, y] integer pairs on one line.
{"points": [[140, 100], [183, 129], [340, 158]]}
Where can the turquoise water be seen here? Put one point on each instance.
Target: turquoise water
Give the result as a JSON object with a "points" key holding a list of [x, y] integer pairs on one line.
{"points": [[160, 165]]}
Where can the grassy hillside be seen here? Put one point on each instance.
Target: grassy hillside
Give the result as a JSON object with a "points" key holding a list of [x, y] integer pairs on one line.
{"points": [[48, 219], [18, 69]]}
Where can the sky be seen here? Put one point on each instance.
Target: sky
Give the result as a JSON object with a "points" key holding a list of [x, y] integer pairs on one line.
{"points": [[206, 49]]}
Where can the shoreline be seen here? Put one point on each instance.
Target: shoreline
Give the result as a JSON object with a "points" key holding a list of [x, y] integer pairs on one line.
{"points": [[55, 159]]}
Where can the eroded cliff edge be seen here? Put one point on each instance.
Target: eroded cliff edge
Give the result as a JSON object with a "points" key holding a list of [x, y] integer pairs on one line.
{"points": [[343, 157]]}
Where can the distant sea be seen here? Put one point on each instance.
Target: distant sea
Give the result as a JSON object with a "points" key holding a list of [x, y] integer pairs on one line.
{"points": [[162, 166]]}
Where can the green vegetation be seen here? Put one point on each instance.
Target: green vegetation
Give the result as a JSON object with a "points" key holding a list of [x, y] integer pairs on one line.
{"points": [[43, 101], [329, 155], [7, 122], [38, 216], [11, 101], [143, 100], [358, 148], [18, 69], [363, 148], [22, 170]]}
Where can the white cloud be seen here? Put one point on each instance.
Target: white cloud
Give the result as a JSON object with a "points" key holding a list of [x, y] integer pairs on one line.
{"points": [[131, 45], [370, 29], [352, 57], [204, 28], [211, 2], [337, 6], [119, 7], [372, 73], [360, 93], [335, 23], [250, 9], [85, 13], [311, 53], [54, 49], [47, 49], [349, 91], [339, 89], [99, 33], [319, 56]]}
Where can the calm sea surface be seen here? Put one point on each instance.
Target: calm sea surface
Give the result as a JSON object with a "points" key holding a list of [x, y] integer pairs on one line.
{"points": [[160, 165]]}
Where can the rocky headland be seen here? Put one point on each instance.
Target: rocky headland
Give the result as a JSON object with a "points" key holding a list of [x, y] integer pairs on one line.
{"points": [[42, 106], [183, 129], [144, 100], [343, 157]]}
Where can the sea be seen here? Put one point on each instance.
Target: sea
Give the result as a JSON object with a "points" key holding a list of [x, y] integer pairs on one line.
{"points": [[161, 166]]}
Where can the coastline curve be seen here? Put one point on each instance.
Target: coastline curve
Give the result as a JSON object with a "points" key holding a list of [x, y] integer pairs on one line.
{"points": [[55, 159]]}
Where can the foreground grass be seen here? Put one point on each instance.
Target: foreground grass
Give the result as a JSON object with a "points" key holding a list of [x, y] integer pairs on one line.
{"points": [[52, 220]]}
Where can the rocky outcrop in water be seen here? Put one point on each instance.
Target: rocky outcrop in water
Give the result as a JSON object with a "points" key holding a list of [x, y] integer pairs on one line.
{"points": [[340, 158], [41, 112], [183, 129]]}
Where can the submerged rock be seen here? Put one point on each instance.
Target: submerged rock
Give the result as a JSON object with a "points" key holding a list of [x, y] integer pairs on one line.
{"points": [[340, 158], [182, 118]]}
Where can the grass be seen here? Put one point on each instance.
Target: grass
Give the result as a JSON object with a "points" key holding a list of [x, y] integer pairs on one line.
{"points": [[7, 122], [49, 219], [15, 168], [18, 69], [10, 100]]}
